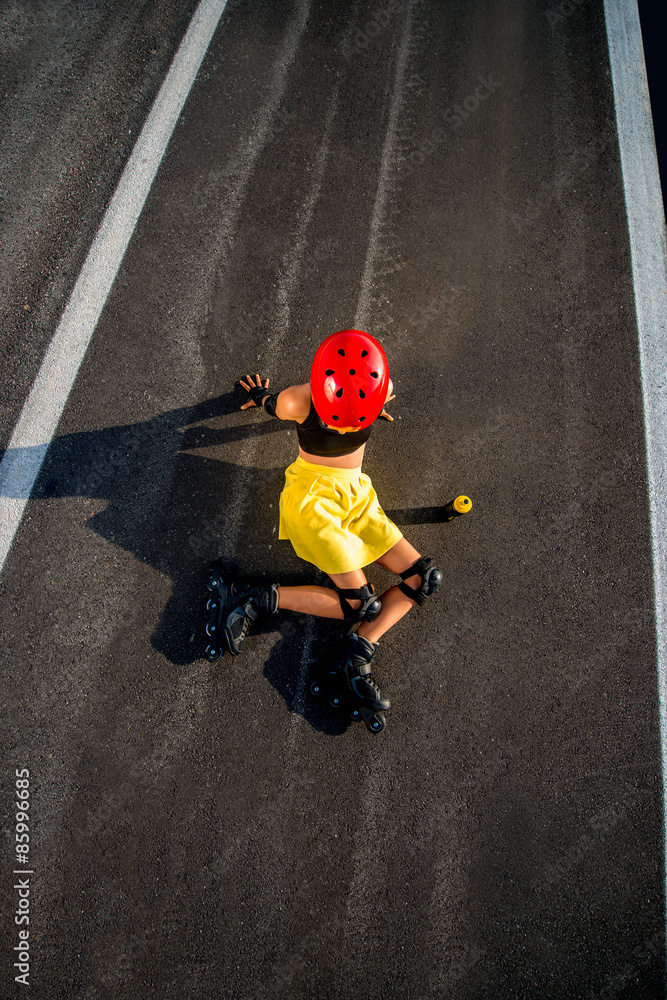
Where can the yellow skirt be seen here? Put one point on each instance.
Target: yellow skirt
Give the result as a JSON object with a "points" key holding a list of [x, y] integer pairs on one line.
{"points": [[332, 517]]}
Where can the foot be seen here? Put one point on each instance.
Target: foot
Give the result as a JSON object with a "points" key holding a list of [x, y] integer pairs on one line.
{"points": [[356, 662], [244, 608]]}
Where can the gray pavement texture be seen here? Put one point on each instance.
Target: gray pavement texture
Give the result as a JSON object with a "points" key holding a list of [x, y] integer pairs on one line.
{"points": [[207, 830], [651, 36]]}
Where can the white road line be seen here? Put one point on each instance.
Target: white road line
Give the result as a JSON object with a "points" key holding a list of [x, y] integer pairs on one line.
{"points": [[646, 226], [44, 407]]}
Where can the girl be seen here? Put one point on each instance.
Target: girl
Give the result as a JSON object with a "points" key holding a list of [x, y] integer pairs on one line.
{"points": [[330, 513]]}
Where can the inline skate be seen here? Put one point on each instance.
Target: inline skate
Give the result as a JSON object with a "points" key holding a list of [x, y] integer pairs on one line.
{"points": [[232, 607], [349, 684]]}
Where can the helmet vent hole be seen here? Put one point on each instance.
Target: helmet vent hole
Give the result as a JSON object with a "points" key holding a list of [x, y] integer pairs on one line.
{"points": [[361, 419], [341, 352], [329, 371], [339, 393], [364, 354], [362, 394], [352, 372], [335, 417], [374, 375]]}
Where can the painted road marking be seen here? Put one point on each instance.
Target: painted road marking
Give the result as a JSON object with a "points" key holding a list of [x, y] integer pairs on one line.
{"points": [[44, 407], [643, 201]]}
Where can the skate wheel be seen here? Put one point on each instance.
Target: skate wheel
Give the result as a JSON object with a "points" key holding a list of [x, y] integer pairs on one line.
{"points": [[211, 604], [316, 689], [210, 629], [212, 653], [376, 724], [213, 583], [355, 714], [336, 701]]}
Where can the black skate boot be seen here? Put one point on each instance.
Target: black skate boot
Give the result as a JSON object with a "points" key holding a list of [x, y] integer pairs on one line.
{"points": [[349, 683], [232, 608], [245, 606]]}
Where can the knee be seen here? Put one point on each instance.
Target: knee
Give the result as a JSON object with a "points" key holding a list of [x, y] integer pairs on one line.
{"points": [[425, 579], [360, 604]]}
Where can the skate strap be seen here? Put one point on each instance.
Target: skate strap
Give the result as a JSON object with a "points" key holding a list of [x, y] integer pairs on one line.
{"points": [[431, 580], [370, 603]]}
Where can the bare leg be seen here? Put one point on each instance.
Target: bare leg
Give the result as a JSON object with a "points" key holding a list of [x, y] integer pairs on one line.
{"points": [[395, 604], [321, 601]]}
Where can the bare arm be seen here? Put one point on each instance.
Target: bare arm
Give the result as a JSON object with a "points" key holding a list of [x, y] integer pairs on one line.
{"points": [[292, 403]]}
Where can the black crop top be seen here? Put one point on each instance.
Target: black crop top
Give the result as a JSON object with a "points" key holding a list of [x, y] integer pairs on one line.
{"points": [[316, 438]]}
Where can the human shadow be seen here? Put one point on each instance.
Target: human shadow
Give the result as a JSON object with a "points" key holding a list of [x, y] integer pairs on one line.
{"points": [[167, 500], [179, 514]]}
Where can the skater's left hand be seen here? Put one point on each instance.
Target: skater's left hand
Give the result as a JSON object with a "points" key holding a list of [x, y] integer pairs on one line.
{"points": [[252, 385]]}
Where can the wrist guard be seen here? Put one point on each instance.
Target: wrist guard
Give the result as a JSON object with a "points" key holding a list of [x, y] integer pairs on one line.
{"points": [[270, 402], [257, 394], [261, 396]]}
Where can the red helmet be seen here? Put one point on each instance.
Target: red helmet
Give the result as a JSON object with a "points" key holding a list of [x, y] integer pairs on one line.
{"points": [[349, 379]]}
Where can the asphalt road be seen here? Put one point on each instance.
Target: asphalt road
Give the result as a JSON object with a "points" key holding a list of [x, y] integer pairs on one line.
{"points": [[446, 176]]}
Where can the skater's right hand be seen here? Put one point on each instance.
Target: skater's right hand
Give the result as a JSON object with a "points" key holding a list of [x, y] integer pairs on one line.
{"points": [[390, 395], [250, 384]]}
